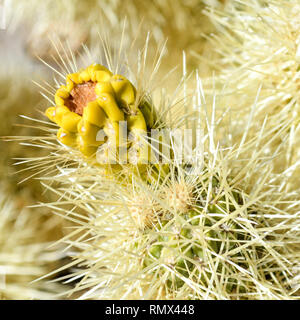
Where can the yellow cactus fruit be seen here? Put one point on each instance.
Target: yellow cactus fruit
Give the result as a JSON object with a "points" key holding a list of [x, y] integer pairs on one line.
{"points": [[90, 108]]}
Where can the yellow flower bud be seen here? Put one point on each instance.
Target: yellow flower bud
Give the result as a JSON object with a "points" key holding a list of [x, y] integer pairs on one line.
{"points": [[89, 110], [94, 114]]}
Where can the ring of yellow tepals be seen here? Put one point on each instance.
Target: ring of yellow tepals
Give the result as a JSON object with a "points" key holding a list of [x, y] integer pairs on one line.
{"points": [[92, 100]]}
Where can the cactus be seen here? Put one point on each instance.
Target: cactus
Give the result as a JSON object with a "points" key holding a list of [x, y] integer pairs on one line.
{"points": [[216, 228], [182, 231], [261, 61], [182, 237]]}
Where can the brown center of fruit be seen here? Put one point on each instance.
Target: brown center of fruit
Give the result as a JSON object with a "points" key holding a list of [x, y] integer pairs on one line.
{"points": [[80, 96]]}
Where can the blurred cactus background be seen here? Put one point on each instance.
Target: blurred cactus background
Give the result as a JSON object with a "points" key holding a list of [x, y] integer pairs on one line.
{"points": [[227, 228]]}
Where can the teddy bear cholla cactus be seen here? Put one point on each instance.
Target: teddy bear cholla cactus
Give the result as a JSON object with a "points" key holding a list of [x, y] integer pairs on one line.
{"points": [[224, 243], [258, 48], [216, 229]]}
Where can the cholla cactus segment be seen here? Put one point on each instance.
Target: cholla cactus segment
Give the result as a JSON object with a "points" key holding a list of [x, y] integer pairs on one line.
{"points": [[259, 52], [228, 244], [260, 57]]}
